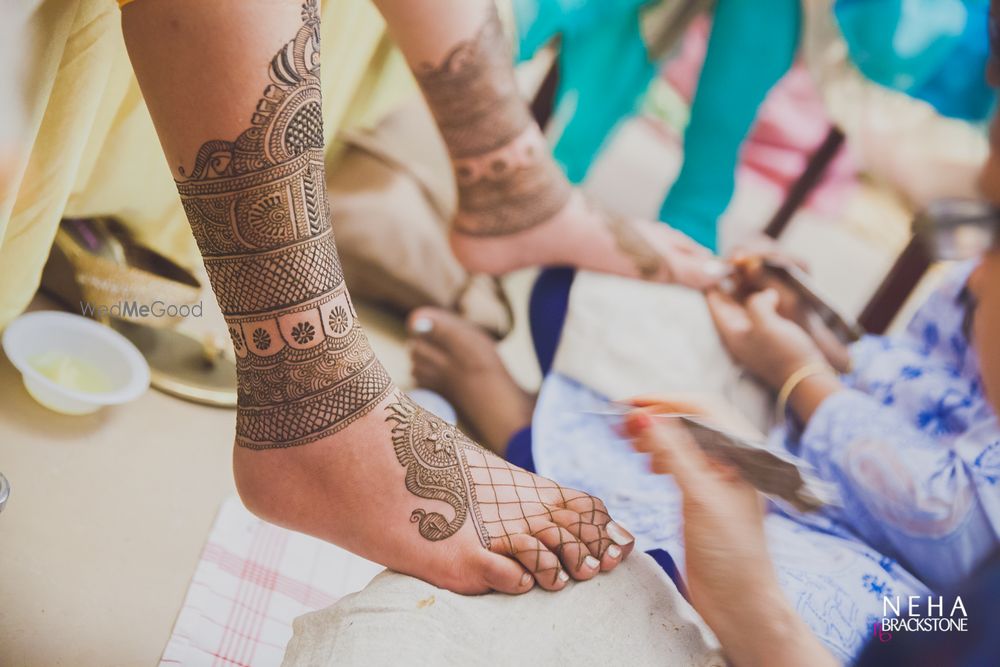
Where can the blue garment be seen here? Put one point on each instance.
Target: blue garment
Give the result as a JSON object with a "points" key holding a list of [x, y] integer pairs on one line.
{"points": [[932, 50], [547, 310], [914, 445], [915, 413]]}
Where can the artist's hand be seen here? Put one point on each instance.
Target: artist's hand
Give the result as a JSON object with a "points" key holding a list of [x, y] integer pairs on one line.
{"points": [[750, 275], [770, 346], [728, 570], [713, 409], [763, 247]]}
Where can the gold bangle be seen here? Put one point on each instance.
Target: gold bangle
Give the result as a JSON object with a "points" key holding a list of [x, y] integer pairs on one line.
{"points": [[796, 378]]}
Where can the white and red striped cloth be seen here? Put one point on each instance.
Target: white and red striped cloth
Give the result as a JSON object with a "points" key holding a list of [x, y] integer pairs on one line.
{"points": [[252, 580]]}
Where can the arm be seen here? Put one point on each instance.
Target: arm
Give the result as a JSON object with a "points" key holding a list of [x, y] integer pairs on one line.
{"points": [[930, 498], [724, 524]]}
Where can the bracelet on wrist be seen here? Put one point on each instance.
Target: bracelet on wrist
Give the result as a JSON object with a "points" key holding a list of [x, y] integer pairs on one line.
{"points": [[796, 378]]}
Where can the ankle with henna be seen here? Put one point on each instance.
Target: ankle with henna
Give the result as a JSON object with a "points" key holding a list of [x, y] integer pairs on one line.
{"points": [[258, 209], [507, 180]]}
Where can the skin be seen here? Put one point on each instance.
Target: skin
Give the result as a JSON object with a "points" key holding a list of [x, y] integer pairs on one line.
{"points": [[325, 442], [723, 521], [453, 357], [723, 524], [516, 209]]}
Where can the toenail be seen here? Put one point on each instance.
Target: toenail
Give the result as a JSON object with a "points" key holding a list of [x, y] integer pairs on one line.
{"points": [[525, 579], [618, 534], [591, 562], [423, 325], [563, 577], [614, 551]]}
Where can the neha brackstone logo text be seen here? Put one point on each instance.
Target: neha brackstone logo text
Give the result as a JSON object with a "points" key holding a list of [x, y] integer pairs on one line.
{"points": [[915, 613], [134, 309]]}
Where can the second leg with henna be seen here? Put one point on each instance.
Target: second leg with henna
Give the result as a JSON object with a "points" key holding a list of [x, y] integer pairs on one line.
{"points": [[325, 442], [516, 208]]}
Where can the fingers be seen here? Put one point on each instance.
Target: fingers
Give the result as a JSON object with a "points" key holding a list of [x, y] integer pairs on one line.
{"points": [[687, 245], [699, 273], [762, 306], [420, 322], [672, 449], [679, 403], [730, 318], [426, 324], [425, 354]]}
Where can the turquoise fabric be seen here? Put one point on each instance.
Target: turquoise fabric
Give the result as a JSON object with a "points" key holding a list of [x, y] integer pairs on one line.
{"points": [[933, 50], [604, 69], [752, 45]]}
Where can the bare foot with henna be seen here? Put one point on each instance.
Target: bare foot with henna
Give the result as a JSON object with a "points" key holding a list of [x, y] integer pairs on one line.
{"points": [[516, 209], [457, 360], [325, 443]]}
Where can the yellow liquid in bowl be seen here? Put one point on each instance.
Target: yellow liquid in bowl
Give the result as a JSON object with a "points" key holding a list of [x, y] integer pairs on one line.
{"points": [[71, 372]]}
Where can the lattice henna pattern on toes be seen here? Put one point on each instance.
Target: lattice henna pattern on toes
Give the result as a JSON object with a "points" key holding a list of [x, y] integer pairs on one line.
{"points": [[506, 180], [258, 209], [514, 512]]}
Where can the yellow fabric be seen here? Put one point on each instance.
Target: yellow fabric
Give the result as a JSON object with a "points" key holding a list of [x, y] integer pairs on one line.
{"points": [[89, 147]]}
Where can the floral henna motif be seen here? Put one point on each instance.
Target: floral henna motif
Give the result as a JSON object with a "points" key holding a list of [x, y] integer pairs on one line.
{"points": [[259, 213], [443, 464], [507, 182]]}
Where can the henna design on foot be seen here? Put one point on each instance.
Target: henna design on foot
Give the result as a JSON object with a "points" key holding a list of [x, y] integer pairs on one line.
{"points": [[514, 512], [258, 210], [634, 245], [507, 182], [431, 451]]}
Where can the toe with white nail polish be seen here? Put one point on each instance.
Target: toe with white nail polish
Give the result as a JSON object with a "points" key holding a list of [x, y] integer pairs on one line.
{"points": [[618, 535], [422, 325]]}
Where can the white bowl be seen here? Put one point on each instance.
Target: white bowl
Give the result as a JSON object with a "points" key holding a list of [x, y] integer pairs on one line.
{"points": [[46, 332]]}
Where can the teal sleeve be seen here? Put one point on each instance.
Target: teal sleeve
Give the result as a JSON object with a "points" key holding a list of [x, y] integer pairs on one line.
{"points": [[753, 43], [604, 70]]}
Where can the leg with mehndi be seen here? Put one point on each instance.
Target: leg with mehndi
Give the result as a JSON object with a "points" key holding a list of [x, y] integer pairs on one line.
{"points": [[516, 209], [325, 442]]}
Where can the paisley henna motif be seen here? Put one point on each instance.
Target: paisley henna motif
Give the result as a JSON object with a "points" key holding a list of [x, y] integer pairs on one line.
{"points": [[259, 213], [443, 465], [431, 451]]}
